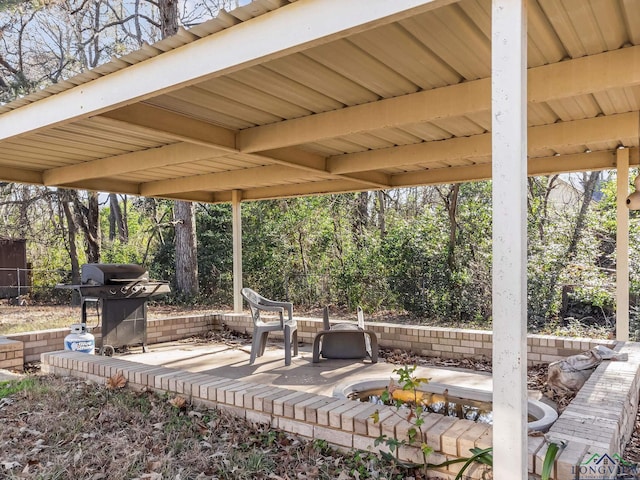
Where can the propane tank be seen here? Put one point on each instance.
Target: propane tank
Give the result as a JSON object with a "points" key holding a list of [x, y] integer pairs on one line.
{"points": [[79, 340]]}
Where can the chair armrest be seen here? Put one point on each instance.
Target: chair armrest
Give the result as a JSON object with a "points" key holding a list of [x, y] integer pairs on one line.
{"points": [[373, 338], [260, 303], [268, 308], [282, 307]]}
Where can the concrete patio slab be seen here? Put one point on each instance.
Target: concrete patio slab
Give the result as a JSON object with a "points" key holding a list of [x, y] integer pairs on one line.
{"points": [[319, 378]]}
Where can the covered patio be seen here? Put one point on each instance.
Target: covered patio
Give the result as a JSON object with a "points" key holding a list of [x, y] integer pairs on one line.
{"points": [[307, 398], [283, 98]]}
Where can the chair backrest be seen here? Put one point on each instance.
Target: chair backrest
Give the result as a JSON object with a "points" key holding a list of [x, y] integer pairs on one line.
{"points": [[251, 296], [367, 339], [253, 299], [257, 303], [325, 319], [360, 318]]}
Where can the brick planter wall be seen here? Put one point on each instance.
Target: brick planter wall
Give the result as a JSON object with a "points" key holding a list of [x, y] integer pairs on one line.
{"points": [[160, 330], [11, 354], [440, 342], [422, 340]]}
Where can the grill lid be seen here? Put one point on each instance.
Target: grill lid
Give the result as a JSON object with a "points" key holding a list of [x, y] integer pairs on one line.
{"points": [[112, 273]]}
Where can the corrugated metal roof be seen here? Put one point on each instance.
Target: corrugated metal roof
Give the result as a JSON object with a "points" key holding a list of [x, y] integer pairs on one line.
{"points": [[222, 21], [355, 112]]}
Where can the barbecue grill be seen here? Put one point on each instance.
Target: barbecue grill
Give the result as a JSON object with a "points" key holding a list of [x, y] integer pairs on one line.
{"points": [[119, 293]]}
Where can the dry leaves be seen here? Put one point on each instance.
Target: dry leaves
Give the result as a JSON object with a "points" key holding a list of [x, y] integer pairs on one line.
{"points": [[116, 382], [89, 432], [403, 357], [178, 402], [10, 465]]}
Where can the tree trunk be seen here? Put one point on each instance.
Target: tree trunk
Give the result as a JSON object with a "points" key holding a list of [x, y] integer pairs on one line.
{"points": [[88, 219], [186, 248], [382, 225], [65, 201], [542, 214], [168, 17], [117, 226], [183, 212], [451, 204], [361, 216], [92, 231], [589, 186]]}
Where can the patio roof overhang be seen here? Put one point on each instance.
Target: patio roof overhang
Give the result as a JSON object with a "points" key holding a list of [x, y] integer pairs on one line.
{"points": [[347, 96], [282, 98]]}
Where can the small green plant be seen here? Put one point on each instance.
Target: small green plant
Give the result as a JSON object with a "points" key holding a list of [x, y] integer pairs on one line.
{"points": [[485, 457], [549, 459], [411, 408], [14, 386]]}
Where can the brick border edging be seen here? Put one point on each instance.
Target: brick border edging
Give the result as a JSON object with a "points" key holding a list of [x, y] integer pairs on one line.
{"points": [[421, 340], [344, 424], [347, 424], [35, 343], [11, 354], [601, 418]]}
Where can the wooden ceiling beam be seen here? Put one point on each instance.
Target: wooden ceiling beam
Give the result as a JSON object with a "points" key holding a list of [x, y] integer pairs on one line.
{"points": [[172, 125], [439, 176], [537, 166], [624, 128], [429, 105], [297, 190], [168, 125], [201, 197], [579, 162], [128, 188], [294, 157], [229, 180], [173, 154], [20, 175], [110, 185], [248, 178], [602, 160], [556, 81]]}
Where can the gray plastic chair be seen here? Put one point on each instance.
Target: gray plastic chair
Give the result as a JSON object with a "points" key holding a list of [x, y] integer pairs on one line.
{"points": [[345, 340], [257, 303]]}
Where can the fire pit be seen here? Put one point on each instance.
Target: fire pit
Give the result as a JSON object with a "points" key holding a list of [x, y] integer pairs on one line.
{"points": [[119, 293]]}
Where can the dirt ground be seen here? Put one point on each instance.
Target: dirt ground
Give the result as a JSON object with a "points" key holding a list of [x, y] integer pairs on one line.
{"points": [[14, 319], [63, 428]]}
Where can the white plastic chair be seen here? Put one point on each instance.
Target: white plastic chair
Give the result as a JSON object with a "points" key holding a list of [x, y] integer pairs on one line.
{"points": [[257, 303]]}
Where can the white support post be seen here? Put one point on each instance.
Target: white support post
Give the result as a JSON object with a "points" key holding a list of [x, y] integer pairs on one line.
{"points": [[509, 173], [622, 245], [236, 197]]}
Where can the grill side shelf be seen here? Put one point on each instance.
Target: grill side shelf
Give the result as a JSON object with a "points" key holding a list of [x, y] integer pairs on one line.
{"points": [[145, 289]]}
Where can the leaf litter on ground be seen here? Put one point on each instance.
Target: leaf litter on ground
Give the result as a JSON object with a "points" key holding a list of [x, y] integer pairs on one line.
{"points": [[72, 428]]}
